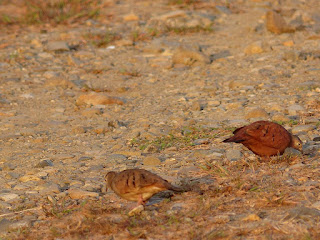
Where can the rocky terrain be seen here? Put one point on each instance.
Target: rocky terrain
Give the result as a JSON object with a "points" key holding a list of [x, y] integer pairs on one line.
{"points": [[159, 85]]}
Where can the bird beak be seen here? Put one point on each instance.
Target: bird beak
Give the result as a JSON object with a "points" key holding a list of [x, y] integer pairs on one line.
{"points": [[302, 152], [105, 187]]}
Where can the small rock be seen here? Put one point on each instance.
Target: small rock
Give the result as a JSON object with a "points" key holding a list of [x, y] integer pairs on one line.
{"points": [[279, 117], [27, 95], [233, 155], [100, 129], [25, 223], [27, 132], [222, 9], [173, 14], [9, 166], [295, 109], [96, 167], [115, 218], [130, 17], [80, 194], [254, 48], [257, 113], [48, 188], [214, 103], [85, 158], [297, 23], [21, 187], [302, 212], [97, 99], [291, 55], [117, 158], [91, 112], [196, 106], [171, 149], [316, 139], [13, 175], [292, 152], [136, 211], [178, 206], [220, 219], [5, 206], [90, 186], [238, 122], [36, 43], [219, 55], [251, 218], [192, 23], [296, 166], [238, 84], [60, 83], [8, 196], [234, 105], [151, 149], [311, 149], [44, 163], [45, 55], [265, 72], [201, 153], [58, 46], [276, 23], [130, 153], [63, 156], [189, 57], [316, 205], [4, 225], [289, 43], [124, 42], [78, 130], [116, 124], [188, 170], [201, 141], [302, 128], [151, 161], [51, 74], [27, 178]]}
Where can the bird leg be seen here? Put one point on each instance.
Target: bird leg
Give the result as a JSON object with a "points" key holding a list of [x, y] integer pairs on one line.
{"points": [[141, 201]]}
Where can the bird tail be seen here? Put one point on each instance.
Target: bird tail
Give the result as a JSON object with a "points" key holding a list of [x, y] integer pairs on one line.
{"points": [[228, 140], [233, 139]]}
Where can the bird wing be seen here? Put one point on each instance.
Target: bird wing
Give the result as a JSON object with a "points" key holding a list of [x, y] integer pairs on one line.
{"points": [[135, 180], [268, 134]]}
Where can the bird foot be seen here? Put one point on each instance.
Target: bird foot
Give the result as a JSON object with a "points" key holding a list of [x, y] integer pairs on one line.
{"points": [[141, 201]]}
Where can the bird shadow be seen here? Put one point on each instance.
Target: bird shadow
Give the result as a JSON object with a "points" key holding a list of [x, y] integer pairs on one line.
{"points": [[187, 184]]}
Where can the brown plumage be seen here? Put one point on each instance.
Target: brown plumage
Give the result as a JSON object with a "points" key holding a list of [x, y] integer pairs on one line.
{"points": [[265, 138], [137, 184]]}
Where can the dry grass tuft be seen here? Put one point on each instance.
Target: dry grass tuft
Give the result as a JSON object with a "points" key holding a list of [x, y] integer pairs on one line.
{"points": [[180, 138], [53, 11], [244, 199], [102, 39]]}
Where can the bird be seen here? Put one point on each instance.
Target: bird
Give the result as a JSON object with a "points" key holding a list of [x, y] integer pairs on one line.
{"points": [[137, 184], [265, 139]]}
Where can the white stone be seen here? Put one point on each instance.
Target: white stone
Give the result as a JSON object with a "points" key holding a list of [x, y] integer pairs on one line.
{"points": [[8, 196]]}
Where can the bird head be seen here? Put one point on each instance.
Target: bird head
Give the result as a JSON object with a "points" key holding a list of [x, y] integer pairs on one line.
{"points": [[108, 178], [296, 143]]}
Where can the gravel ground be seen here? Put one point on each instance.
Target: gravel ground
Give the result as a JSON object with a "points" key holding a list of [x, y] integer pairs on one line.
{"points": [[158, 85]]}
